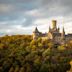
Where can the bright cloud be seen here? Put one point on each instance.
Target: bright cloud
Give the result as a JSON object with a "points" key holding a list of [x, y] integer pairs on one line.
{"points": [[22, 16], [5, 7]]}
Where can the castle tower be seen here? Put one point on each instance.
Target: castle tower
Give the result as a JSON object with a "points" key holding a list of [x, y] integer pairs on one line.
{"points": [[35, 34], [63, 34], [54, 22], [63, 37], [36, 30]]}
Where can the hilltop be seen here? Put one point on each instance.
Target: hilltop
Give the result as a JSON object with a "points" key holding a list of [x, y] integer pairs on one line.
{"points": [[20, 53]]}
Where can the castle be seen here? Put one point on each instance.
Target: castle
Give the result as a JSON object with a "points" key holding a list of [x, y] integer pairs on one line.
{"points": [[53, 34]]}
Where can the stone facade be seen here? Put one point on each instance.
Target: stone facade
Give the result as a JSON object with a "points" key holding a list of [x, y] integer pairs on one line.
{"points": [[53, 34]]}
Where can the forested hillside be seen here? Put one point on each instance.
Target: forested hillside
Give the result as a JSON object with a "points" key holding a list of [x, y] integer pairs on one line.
{"points": [[19, 53]]}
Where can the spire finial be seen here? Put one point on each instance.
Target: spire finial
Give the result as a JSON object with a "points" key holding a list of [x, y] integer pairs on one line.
{"points": [[63, 27], [49, 28], [63, 30], [36, 25]]}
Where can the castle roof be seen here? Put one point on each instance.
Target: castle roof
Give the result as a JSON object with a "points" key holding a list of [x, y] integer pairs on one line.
{"points": [[56, 34], [44, 34], [68, 35], [36, 30]]}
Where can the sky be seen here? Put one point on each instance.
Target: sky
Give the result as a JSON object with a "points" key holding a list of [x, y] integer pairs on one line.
{"points": [[22, 16]]}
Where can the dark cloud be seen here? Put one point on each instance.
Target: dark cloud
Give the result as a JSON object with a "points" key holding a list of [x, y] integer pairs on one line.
{"points": [[28, 22], [57, 2], [57, 7], [15, 10], [15, 1]]}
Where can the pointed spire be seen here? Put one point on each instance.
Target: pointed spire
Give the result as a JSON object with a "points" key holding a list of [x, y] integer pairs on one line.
{"points": [[63, 34], [63, 28], [63, 31], [49, 29], [58, 29], [36, 30]]}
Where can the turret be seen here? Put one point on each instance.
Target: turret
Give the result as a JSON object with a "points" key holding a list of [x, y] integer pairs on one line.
{"points": [[63, 34], [63, 37], [58, 29], [54, 27], [49, 29], [35, 34], [36, 30], [54, 24]]}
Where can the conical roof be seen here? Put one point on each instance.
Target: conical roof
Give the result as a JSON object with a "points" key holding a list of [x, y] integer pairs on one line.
{"points": [[63, 31], [36, 30]]}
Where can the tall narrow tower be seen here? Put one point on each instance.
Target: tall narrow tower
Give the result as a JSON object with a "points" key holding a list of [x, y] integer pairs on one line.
{"points": [[63, 34], [49, 29], [35, 34], [63, 37], [54, 22]]}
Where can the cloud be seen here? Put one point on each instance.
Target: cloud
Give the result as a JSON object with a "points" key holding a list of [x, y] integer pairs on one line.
{"points": [[17, 29], [44, 23], [6, 8], [41, 21], [68, 27], [11, 23], [57, 7], [15, 1], [20, 16], [34, 12]]}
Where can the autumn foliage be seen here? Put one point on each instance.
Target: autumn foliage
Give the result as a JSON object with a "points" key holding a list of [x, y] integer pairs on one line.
{"points": [[19, 53]]}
